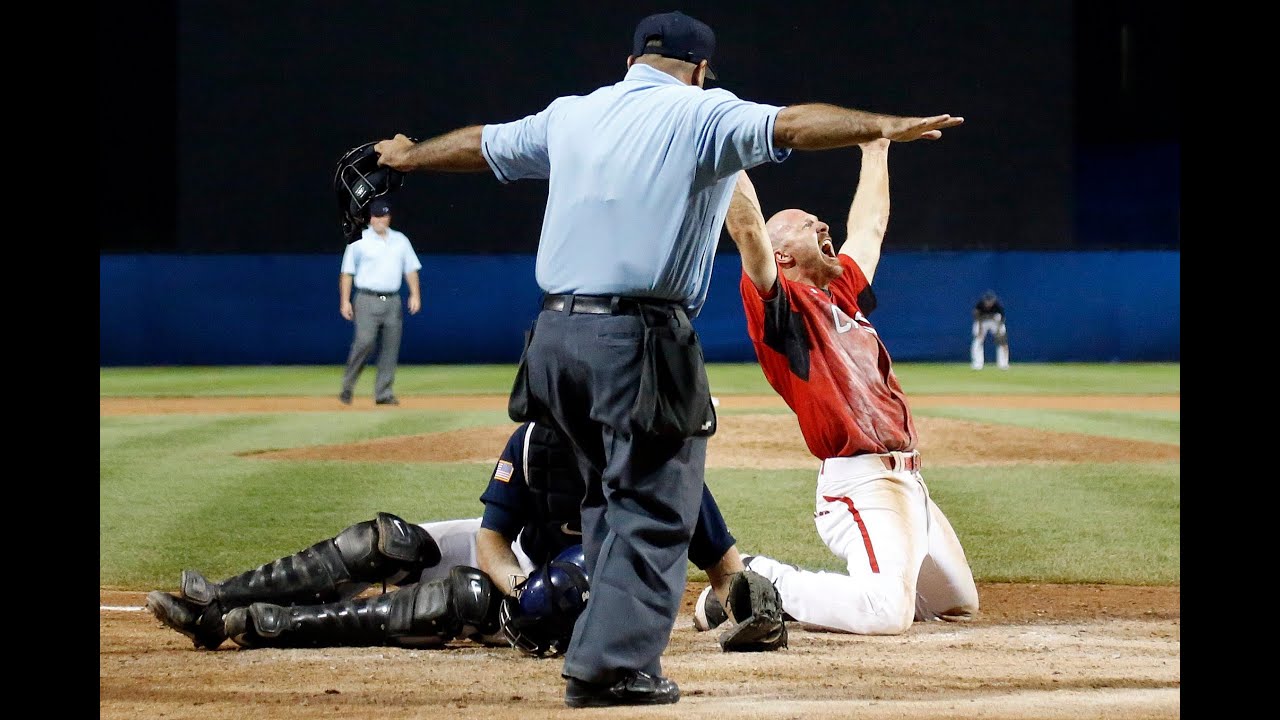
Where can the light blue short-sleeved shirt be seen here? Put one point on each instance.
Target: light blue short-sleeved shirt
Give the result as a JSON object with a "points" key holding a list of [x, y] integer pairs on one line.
{"points": [[641, 174], [379, 263]]}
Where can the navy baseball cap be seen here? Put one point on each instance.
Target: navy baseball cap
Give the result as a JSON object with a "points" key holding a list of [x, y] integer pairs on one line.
{"points": [[379, 207], [675, 35]]}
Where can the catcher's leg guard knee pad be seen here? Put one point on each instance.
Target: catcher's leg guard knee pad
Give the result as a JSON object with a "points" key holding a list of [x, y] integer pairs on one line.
{"points": [[395, 551], [464, 604]]}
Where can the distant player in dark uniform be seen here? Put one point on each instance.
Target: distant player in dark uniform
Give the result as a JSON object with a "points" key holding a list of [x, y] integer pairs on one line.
{"points": [[451, 575], [988, 319], [806, 308]]}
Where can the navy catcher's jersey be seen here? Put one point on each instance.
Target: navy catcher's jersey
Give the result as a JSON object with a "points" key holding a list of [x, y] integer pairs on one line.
{"points": [[510, 506], [988, 307], [509, 503]]}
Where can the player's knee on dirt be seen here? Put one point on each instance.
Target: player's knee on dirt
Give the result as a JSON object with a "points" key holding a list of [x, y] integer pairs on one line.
{"points": [[386, 549], [894, 601]]}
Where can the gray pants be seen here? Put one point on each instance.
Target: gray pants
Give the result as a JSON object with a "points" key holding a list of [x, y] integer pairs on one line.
{"points": [[373, 317], [643, 492]]}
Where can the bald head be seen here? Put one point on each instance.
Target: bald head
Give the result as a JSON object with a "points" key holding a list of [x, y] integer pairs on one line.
{"points": [[782, 222], [803, 246]]}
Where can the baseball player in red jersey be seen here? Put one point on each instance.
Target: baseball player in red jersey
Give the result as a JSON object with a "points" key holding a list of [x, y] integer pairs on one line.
{"points": [[806, 307]]}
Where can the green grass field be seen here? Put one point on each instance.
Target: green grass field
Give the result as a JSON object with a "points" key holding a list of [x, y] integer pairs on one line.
{"points": [[174, 491]]}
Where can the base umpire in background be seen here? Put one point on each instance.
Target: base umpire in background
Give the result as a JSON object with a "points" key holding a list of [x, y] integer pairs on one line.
{"points": [[375, 266], [641, 173]]}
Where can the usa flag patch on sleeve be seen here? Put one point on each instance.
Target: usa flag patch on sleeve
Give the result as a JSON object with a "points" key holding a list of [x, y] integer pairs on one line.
{"points": [[504, 470]]}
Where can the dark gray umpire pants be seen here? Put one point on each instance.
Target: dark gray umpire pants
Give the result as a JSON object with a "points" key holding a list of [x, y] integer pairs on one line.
{"points": [[643, 492], [376, 315]]}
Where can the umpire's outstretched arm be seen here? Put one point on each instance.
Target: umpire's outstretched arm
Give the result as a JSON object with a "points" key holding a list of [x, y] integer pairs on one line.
{"points": [[455, 151]]}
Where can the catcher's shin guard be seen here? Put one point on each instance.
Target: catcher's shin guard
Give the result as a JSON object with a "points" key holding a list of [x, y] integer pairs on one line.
{"points": [[386, 549], [421, 615], [356, 623]]}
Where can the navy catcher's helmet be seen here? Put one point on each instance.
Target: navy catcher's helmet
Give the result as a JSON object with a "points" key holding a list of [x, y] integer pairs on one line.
{"points": [[357, 180], [560, 588], [546, 606]]}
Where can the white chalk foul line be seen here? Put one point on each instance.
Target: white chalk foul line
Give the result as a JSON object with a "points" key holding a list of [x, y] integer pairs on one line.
{"points": [[122, 608]]}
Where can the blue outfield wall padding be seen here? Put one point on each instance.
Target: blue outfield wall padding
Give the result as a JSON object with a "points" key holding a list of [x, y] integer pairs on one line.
{"points": [[1095, 306]]}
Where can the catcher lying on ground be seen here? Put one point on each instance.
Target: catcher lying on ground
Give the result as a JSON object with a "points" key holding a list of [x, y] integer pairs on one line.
{"points": [[514, 576]]}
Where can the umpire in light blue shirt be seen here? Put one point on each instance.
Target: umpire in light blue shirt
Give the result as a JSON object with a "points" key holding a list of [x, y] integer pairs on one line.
{"points": [[640, 174]]}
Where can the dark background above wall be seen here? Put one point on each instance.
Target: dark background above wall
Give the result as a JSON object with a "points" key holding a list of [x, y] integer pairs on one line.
{"points": [[220, 122]]}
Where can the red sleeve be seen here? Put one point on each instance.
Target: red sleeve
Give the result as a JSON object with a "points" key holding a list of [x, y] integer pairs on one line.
{"points": [[753, 303], [753, 307]]}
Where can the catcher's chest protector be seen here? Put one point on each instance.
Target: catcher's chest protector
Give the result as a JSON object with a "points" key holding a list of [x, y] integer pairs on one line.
{"points": [[552, 475]]}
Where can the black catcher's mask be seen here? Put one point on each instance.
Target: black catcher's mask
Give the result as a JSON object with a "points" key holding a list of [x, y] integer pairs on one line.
{"points": [[356, 182]]}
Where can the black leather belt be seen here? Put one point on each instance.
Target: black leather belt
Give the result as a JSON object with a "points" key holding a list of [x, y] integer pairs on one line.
{"points": [[375, 292], [604, 304]]}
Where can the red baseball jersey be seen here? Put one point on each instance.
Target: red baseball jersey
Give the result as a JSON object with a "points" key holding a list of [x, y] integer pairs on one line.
{"points": [[821, 354]]}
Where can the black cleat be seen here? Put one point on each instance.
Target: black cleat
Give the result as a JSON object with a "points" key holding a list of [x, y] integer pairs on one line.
{"points": [[202, 624], [635, 688]]}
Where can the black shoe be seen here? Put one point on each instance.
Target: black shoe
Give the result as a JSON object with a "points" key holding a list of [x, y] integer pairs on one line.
{"points": [[344, 397], [202, 624], [393, 400], [635, 688]]}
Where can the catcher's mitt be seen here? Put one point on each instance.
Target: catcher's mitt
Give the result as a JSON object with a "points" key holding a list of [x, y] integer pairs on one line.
{"points": [[357, 180], [756, 610]]}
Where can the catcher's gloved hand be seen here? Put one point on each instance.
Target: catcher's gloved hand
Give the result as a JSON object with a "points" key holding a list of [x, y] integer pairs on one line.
{"points": [[755, 607]]}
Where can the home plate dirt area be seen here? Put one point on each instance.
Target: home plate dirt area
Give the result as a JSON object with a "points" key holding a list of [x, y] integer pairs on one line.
{"points": [[1068, 652]]}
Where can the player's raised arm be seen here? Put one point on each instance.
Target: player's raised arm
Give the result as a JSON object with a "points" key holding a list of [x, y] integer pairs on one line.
{"points": [[745, 223], [869, 212]]}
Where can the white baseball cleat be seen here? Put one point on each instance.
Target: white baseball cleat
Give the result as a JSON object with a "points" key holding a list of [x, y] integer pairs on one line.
{"points": [[708, 613]]}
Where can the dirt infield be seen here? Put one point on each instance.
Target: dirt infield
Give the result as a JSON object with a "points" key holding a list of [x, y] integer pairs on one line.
{"points": [[1034, 651]]}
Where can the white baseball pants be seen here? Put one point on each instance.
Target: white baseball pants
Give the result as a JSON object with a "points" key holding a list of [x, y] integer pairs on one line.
{"points": [[457, 541], [977, 349], [904, 560]]}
